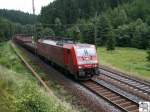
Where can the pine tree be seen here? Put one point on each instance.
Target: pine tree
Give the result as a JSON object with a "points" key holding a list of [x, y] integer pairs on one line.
{"points": [[110, 45], [103, 28], [88, 33], [76, 33], [47, 32], [58, 27]]}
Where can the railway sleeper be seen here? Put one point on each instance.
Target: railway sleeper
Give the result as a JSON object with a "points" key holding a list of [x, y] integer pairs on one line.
{"points": [[135, 84], [111, 95], [136, 110], [103, 91], [119, 101], [114, 98], [106, 94], [92, 85], [131, 107], [125, 104], [98, 88], [148, 90], [128, 82], [146, 87], [141, 86]]}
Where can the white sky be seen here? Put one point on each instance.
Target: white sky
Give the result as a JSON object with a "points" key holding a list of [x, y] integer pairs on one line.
{"points": [[24, 5]]}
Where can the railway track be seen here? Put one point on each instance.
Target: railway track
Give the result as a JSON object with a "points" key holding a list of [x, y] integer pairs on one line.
{"points": [[115, 98], [84, 100], [134, 86]]}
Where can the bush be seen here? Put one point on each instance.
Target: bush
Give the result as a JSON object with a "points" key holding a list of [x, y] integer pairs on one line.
{"points": [[18, 94]]}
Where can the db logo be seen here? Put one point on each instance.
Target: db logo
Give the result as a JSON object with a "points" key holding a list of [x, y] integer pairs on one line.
{"points": [[144, 106]]}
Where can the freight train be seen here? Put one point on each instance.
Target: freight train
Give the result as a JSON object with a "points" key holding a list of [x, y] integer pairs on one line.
{"points": [[78, 59]]}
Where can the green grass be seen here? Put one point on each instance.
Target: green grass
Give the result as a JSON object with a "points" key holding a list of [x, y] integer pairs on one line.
{"points": [[18, 94], [19, 91], [10, 60], [129, 60]]}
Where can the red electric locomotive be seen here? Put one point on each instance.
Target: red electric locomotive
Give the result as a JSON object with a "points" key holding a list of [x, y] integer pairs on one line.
{"points": [[79, 59]]}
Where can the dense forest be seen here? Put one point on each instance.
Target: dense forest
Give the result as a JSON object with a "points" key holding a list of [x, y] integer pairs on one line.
{"points": [[9, 28], [14, 22], [18, 16], [69, 11], [124, 23]]}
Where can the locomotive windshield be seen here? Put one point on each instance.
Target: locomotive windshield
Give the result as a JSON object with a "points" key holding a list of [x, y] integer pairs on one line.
{"points": [[86, 52]]}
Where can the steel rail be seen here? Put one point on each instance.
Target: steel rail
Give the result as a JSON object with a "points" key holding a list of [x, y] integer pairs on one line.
{"points": [[107, 69], [123, 85], [111, 96]]}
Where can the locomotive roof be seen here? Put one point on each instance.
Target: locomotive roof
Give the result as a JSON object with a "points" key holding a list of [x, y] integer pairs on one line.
{"points": [[65, 44], [50, 42], [83, 45]]}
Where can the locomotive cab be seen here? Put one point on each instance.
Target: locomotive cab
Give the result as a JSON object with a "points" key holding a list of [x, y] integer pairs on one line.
{"points": [[87, 62]]}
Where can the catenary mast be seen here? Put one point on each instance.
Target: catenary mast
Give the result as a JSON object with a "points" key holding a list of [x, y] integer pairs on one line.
{"points": [[33, 7]]}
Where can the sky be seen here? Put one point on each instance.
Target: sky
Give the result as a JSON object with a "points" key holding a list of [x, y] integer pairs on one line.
{"points": [[24, 5]]}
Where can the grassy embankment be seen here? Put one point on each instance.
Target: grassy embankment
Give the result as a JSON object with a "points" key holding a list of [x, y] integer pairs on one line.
{"points": [[19, 91], [129, 60]]}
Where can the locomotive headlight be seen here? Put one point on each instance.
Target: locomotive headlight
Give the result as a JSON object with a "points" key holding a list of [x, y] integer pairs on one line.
{"points": [[96, 61], [95, 65], [80, 67]]}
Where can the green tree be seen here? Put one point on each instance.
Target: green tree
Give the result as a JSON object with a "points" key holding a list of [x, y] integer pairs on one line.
{"points": [[48, 32], [6, 28], [110, 44], [103, 28], [2, 37], [141, 34], [121, 15], [18, 16], [148, 52], [76, 33], [58, 28], [69, 11], [117, 17], [87, 32], [123, 37], [1, 31]]}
